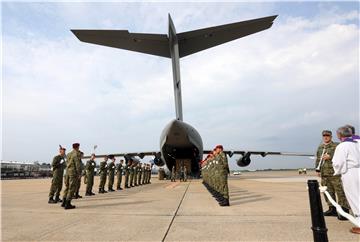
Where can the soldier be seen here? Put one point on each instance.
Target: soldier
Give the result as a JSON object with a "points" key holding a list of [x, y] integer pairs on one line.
{"points": [[325, 170], [131, 173], [111, 172], [103, 174], [135, 173], [119, 171], [223, 175], [143, 174], [149, 174], [127, 173], [58, 166], [72, 175], [173, 174], [185, 174], [139, 174], [78, 183], [89, 175]]}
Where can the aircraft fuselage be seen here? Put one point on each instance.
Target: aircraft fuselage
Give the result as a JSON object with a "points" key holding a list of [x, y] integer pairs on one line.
{"points": [[180, 142]]}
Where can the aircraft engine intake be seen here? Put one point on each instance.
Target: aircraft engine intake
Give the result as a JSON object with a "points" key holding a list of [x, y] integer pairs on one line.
{"points": [[158, 161], [244, 161]]}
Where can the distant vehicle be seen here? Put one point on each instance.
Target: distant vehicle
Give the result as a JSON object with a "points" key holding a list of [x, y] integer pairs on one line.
{"points": [[302, 171], [236, 173], [12, 169]]}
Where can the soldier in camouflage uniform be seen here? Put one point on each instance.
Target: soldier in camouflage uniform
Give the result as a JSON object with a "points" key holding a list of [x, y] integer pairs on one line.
{"points": [[143, 174], [131, 173], [185, 174], [223, 168], [173, 174], [119, 171], [127, 173], [78, 182], [103, 173], [325, 170], [89, 175], [58, 166], [72, 175], [136, 174], [149, 174], [139, 174], [111, 172]]}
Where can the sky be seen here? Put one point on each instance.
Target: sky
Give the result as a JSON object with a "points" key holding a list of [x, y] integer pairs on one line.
{"points": [[275, 90]]}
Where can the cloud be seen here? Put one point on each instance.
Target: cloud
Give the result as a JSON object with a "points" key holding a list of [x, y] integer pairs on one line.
{"points": [[275, 90]]}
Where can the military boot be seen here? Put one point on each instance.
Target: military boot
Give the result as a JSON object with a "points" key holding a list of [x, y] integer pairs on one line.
{"points": [[331, 212], [100, 190], [87, 194], [103, 190], [91, 193], [64, 202], [57, 199], [68, 205], [224, 203], [77, 196], [51, 200], [340, 217]]}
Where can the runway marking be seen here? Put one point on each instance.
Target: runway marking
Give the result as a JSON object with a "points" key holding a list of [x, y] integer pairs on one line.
{"points": [[175, 214]]}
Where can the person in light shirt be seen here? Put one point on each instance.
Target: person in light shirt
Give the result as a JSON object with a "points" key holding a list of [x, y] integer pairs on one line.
{"points": [[346, 162]]}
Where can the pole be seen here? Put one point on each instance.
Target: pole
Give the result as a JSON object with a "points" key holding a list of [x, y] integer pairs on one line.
{"points": [[317, 218]]}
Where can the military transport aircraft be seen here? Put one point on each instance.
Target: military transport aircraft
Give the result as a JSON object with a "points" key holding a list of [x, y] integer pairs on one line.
{"points": [[179, 141]]}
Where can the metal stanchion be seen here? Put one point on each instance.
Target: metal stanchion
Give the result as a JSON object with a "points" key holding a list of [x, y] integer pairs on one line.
{"points": [[318, 222]]}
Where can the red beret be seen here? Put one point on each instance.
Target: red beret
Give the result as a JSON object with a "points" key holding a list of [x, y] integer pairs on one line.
{"points": [[76, 145], [219, 147]]}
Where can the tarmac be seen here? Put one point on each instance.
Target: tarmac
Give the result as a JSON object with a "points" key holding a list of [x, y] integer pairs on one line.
{"points": [[264, 206]]}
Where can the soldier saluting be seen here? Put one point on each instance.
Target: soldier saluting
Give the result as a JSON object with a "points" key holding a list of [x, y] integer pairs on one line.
{"points": [[324, 169], [89, 169], [58, 166]]}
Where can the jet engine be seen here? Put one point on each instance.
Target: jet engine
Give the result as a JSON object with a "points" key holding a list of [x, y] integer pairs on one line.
{"points": [[158, 161], [244, 160]]}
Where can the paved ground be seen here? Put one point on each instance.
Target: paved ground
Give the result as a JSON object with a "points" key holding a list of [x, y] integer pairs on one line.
{"points": [[265, 206]]}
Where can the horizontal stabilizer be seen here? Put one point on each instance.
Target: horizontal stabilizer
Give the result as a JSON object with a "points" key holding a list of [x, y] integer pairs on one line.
{"points": [[153, 44], [202, 39]]}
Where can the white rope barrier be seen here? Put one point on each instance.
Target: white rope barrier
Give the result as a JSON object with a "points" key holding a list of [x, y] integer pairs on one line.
{"points": [[338, 207]]}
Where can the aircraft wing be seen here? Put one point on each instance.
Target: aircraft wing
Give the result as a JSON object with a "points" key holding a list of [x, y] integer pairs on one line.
{"points": [[153, 44], [262, 153], [202, 39], [133, 154]]}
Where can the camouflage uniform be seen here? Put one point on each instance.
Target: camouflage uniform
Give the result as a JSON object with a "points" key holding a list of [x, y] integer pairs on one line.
{"points": [[119, 171], [173, 174], [139, 174], [131, 173], [73, 167], [103, 174], [89, 174], [78, 181], [111, 172], [127, 172], [333, 183], [143, 174], [58, 166], [223, 176], [135, 174]]}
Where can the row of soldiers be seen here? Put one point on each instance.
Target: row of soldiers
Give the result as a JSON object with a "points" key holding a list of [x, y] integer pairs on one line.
{"points": [[215, 171], [182, 174], [135, 174]]}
